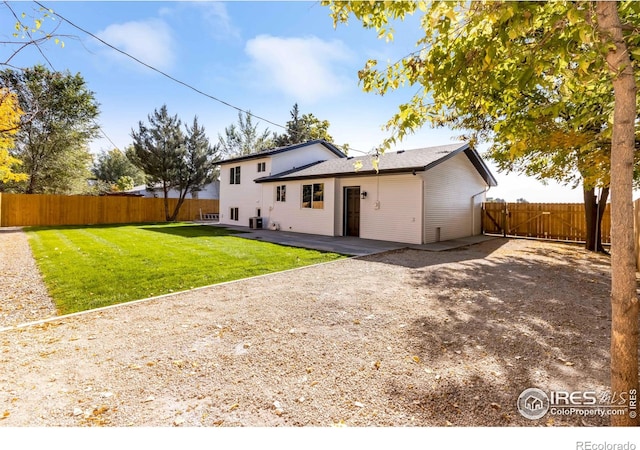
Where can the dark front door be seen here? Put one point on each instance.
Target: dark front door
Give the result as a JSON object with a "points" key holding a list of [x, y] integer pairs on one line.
{"points": [[352, 211]]}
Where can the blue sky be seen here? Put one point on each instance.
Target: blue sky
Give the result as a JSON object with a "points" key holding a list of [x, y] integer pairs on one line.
{"points": [[261, 56]]}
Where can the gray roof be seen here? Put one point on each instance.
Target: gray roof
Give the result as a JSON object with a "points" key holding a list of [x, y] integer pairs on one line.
{"points": [[390, 162], [287, 148]]}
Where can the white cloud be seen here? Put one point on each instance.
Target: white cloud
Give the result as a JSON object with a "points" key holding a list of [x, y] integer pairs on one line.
{"points": [[150, 41], [305, 68], [221, 25], [216, 19]]}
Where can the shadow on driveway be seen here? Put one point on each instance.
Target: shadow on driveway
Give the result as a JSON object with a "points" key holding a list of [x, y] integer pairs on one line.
{"points": [[499, 321]]}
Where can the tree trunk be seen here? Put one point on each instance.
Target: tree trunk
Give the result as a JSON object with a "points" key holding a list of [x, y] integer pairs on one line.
{"points": [[31, 184], [176, 210], [165, 191], [624, 300], [594, 210]]}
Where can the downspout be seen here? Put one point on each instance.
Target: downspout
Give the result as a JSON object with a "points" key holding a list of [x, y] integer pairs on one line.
{"points": [[473, 204]]}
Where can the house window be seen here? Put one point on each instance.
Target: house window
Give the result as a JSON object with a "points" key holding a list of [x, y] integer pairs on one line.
{"points": [[262, 167], [281, 193], [313, 195], [234, 214], [234, 175]]}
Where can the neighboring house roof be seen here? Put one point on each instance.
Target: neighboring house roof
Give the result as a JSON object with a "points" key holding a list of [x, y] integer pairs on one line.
{"points": [[287, 148], [158, 186], [390, 162]]}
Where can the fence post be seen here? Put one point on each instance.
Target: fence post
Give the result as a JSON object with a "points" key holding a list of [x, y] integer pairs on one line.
{"points": [[504, 220]]}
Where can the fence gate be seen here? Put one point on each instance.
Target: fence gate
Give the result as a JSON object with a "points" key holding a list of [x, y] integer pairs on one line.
{"points": [[554, 221]]}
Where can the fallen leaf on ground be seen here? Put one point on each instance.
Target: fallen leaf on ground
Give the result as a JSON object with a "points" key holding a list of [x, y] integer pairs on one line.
{"points": [[550, 422]]}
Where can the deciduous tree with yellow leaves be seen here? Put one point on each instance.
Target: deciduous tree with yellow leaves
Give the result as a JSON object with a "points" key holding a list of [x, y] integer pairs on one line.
{"points": [[9, 124], [552, 86]]}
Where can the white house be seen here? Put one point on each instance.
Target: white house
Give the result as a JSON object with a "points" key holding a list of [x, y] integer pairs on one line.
{"points": [[415, 196], [208, 192]]}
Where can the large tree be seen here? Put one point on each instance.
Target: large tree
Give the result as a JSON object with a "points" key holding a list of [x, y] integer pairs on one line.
{"points": [[113, 167], [171, 158], [58, 123], [302, 128], [244, 138], [552, 85], [539, 123]]}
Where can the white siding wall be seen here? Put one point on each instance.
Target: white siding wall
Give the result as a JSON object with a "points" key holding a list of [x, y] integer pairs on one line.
{"points": [[291, 216], [448, 191], [399, 216], [208, 192], [246, 196], [300, 157]]}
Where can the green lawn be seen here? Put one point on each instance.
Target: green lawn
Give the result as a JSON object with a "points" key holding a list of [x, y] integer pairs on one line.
{"points": [[86, 267]]}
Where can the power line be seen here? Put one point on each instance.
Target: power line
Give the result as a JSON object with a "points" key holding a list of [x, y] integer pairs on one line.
{"points": [[53, 68], [167, 76], [160, 71]]}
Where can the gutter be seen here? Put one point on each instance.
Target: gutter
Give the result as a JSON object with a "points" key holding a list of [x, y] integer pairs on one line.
{"points": [[473, 203]]}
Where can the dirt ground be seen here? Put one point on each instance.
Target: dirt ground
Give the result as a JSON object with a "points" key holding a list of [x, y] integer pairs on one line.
{"points": [[403, 338]]}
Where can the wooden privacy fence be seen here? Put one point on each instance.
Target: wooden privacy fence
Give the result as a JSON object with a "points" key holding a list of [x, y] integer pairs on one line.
{"points": [[45, 210], [556, 221]]}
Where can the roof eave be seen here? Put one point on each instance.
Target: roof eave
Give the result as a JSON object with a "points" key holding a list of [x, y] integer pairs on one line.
{"points": [[359, 173], [481, 167], [474, 158], [329, 146]]}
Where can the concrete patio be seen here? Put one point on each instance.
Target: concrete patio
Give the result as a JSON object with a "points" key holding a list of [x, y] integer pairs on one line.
{"points": [[345, 245]]}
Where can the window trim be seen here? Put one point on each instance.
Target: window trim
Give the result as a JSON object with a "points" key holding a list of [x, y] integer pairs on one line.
{"points": [[262, 166], [281, 193]]}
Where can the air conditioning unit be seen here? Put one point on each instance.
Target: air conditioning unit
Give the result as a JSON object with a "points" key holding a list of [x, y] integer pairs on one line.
{"points": [[255, 223]]}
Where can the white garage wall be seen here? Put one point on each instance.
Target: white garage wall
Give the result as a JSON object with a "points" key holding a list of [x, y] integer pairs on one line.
{"points": [[449, 203]]}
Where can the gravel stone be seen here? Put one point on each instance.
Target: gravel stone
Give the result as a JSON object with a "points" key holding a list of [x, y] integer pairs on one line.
{"points": [[23, 295], [402, 338]]}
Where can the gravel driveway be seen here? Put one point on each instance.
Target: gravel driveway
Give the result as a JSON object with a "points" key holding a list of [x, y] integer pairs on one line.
{"points": [[403, 338]]}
